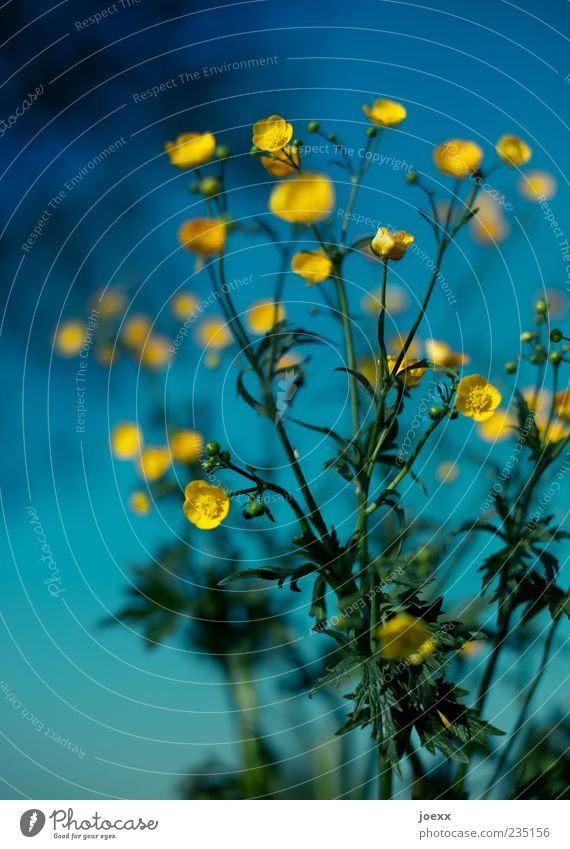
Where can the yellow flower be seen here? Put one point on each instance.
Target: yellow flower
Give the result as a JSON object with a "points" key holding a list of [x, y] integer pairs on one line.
{"points": [[272, 133], [397, 301], [262, 315], [391, 245], [405, 638], [156, 353], [69, 338], [513, 151], [140, 503], [205, 506], [445, 721], [154, 462], [395, 342], [106, 354], [458, 158], [135, 330], [279, 163], [126, 440], [537, 185], [213, 333], [477, 398], [288, 360], [489, 226], [441, 354], [447, 472], [555, 431], [411, 377], [191, 149], [203, 236], [183, 304], [562, 404], [313, 266], [304, 198], [472, 648], [109, 302], [498, 427], [370, 369], [385, 113], [186, 445]]}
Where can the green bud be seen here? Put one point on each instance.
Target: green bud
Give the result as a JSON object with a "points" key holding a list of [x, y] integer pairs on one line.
{"points": [[224, 457], [541, 306], [411, 177], [535, 359], [297, 143], [212, 449], [254, 509], [453, 414], [510, 367], [207, 466], [210, 186], [254, 150], [435, 413], [331, 137], [540, 349], [527, 336], [555, 357], [538, 319], [223, 151], [371, 132], [194, 188], [313, 127], [556, 335]]}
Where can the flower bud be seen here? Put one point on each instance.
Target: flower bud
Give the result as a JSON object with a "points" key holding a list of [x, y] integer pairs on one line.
{"points": [[510, 367], [254, 150], [541, 306], [223, 151], [371, 132], [555, 357], [297, 143], [527, 336], [556, 335], [224, 457], [210, 186], [453, 414], [212, 449], [253, 510], [313, 127], [435, 413], [411, 177]]}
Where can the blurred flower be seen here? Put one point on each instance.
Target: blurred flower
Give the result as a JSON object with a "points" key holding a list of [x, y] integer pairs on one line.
{"points": [[472, 648], [500, 426], [186, 445], [154, 462], [203, 236], [69, 338], [477, 398], [183, 304], [205, 506], [370, 369], [156, 353], [191, 149], [304, 198], [489, 226], [555, 431], [513, 151], [213, 333], [391, 245], [447, 472], [110, 302], [212, 361], [279, 163], [385, 113], [412, 376], [262, 315], [405, 638], [441, 354], [395, 342], [106, 354], [288, 360], [313, 266], [397, 301], [126, 440], [272, 133], [562, 404], [458, 158], [135, 330], [537, 185], [140, 503]]}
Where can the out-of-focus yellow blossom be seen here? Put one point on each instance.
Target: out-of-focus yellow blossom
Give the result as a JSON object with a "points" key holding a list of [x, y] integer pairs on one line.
{"points": [[272, 133], [313, 266], [397, 301], [135, 330], [405, 638], [370, 368], [205, 506], [555, 431], [385, 113], [536, 401], [288, 360], [186, 445], [110, 302], [140, 503], [447, 472], [395, 342], [156, 353], [154, 462], [489, 226], [126, 440], [498, 427], [391, 245], [304, 198], [212, 361], [477, 398], [557, 302], [412, 376], [472, 648], [203, 236], [441, 354], [106, 354], [513, 151], [191, 149], [445, 721], [562, 404], [458, 158], [183, 304], [281, 162], [537, 185], [69, 337], [213, 333], [262, 315]]}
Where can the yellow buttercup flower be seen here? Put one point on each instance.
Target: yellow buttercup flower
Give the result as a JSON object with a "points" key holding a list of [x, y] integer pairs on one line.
{"points": [[489, 226], [391, 245], [562, 404], [313, 266], [205, 506], [458, 158], [472, 648], [385, 113], [477, 398], [281, 162], [500, 426], [135, 330], [186, 446], [513, 151], [272, 133], [304, 198], [370, 369], [403, 637], [126, 440], [555, 431], [203, 236], [183, 304], [140, 503], [412, 376], [537, 185], [263, 315], [288, 360], [191, 149], [447, 472], [397, 301], [441, 354], [154, 462], [213, 333], [106, 354], [110, 302], [156, 353], [69, 338]]}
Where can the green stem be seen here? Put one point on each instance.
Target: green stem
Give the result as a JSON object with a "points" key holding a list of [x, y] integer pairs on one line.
{"points": [[384, 778]]}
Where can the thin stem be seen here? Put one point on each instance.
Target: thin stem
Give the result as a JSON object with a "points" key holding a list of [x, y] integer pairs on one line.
{"points": [[384, 778]]}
